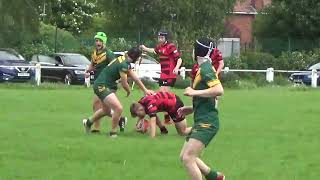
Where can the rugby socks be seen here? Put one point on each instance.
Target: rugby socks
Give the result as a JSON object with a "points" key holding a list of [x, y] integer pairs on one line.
{"points": [[89, 122], [212, 175]]}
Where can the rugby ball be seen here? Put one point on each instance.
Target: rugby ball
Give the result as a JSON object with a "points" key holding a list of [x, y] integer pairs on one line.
{"points": [[142, 126]]}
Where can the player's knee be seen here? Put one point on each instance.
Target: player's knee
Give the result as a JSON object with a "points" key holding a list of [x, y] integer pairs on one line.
{"points": [[181, 133], [186, 158], [118, 109]]}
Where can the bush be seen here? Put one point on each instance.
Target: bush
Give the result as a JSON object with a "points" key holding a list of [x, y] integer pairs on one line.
{"points": [[121, 44], [182, 83], [297, 60], [258, 60], [27, 50], [235, 63], [65, 40]]}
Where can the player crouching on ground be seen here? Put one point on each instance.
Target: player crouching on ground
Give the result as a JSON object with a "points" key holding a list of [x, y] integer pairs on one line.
{"points": [[206, 86], [105, 87], [161, 102]]}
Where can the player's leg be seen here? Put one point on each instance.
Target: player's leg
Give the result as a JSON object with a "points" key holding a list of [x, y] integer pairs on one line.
{"points": [[182, 128], [165, 85], [102, 93], [114, 103], [203, 134], [207, 172], [189, 154], [179, 122], [96, 105], [162, 128], [97, 115]]}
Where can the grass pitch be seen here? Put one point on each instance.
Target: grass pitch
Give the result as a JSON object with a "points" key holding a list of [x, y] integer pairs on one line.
{"points": [[267, 133]]}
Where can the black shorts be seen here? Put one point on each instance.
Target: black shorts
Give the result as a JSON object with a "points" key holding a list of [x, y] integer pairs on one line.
{"points": [[174, 113], [167, 82]]}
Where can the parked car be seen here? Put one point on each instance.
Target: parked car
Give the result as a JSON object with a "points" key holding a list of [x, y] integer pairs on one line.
{"points": [[305, 77], [17, 69], [67, 60], [149, 67]]}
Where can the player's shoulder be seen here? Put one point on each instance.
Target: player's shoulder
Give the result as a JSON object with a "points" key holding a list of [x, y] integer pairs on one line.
{"points": [[171, 45], [206, 68]]}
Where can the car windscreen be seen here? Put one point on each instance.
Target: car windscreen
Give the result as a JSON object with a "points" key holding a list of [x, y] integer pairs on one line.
{"points": [[148, 60], [315, 66], [47, 59], [75, 60], [10, 56]]}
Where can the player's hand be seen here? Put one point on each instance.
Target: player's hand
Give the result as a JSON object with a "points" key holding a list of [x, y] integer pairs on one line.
{"points": [[176, 71], [183, 111], [189, 91], [86, 75], [149, 92], [142, 47]]}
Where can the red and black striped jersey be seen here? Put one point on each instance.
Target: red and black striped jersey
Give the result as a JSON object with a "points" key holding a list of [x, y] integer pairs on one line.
{"points": [[159, 102], [168, 56]]}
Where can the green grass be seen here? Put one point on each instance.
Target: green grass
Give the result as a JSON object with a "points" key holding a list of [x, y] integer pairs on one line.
{"points": [[266, 134]]}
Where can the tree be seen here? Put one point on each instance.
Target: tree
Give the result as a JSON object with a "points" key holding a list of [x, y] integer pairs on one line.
{"points": [[186, 18], [71, 15], [285, 18], [19, 22]]}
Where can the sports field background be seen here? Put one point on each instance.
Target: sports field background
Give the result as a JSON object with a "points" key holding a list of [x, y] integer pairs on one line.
{"points": [[266, 134]]}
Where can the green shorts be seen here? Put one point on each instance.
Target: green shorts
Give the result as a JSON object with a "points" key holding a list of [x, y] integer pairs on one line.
{"points": [[204, 131], [102, 91]]}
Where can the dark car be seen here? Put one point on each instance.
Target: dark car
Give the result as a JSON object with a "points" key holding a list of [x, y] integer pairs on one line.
{"points": [[305, 77], [17, 69], [72, 73]]}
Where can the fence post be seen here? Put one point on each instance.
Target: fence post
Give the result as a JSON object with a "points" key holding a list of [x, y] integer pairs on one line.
{"points": [[38, 74], [183, 72], [270, 75], [226, 69], [87, 78], [314, 78]]}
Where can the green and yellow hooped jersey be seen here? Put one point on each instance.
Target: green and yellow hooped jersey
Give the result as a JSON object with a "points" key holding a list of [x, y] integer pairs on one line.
{"points": [[204, 107], [113, 71], [101, 60]]}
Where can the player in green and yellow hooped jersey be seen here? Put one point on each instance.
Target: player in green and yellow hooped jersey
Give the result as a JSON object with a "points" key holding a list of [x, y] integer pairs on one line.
{"points": [[100, 58], [205, 88], [105, 87]]}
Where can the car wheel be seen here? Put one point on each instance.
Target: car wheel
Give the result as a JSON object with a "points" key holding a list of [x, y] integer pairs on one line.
{"points": [[67, 79]]}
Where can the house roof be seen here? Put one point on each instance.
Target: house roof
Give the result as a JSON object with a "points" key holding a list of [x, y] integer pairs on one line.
{"points": [[244, 7]]}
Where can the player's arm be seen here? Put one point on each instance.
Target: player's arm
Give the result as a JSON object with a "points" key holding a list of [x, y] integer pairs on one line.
{"points": [[153, 126], [90, 68], [110, 55], [220, 67], [136, 79], [213, 83], [146, 49], [124, 82], [214, 91], [185, 110], [218, 57], [176, 69]]}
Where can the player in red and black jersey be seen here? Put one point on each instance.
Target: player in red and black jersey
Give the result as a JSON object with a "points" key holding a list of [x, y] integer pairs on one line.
{"points": [[216, 61], [170, 62], [161, 102]]}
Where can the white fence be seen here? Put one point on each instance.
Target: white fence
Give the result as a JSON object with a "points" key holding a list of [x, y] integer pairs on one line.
{"points": [[269, 72]]}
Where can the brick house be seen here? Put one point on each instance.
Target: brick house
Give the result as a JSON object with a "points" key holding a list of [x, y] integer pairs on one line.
{"points": [[239, 24]]}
